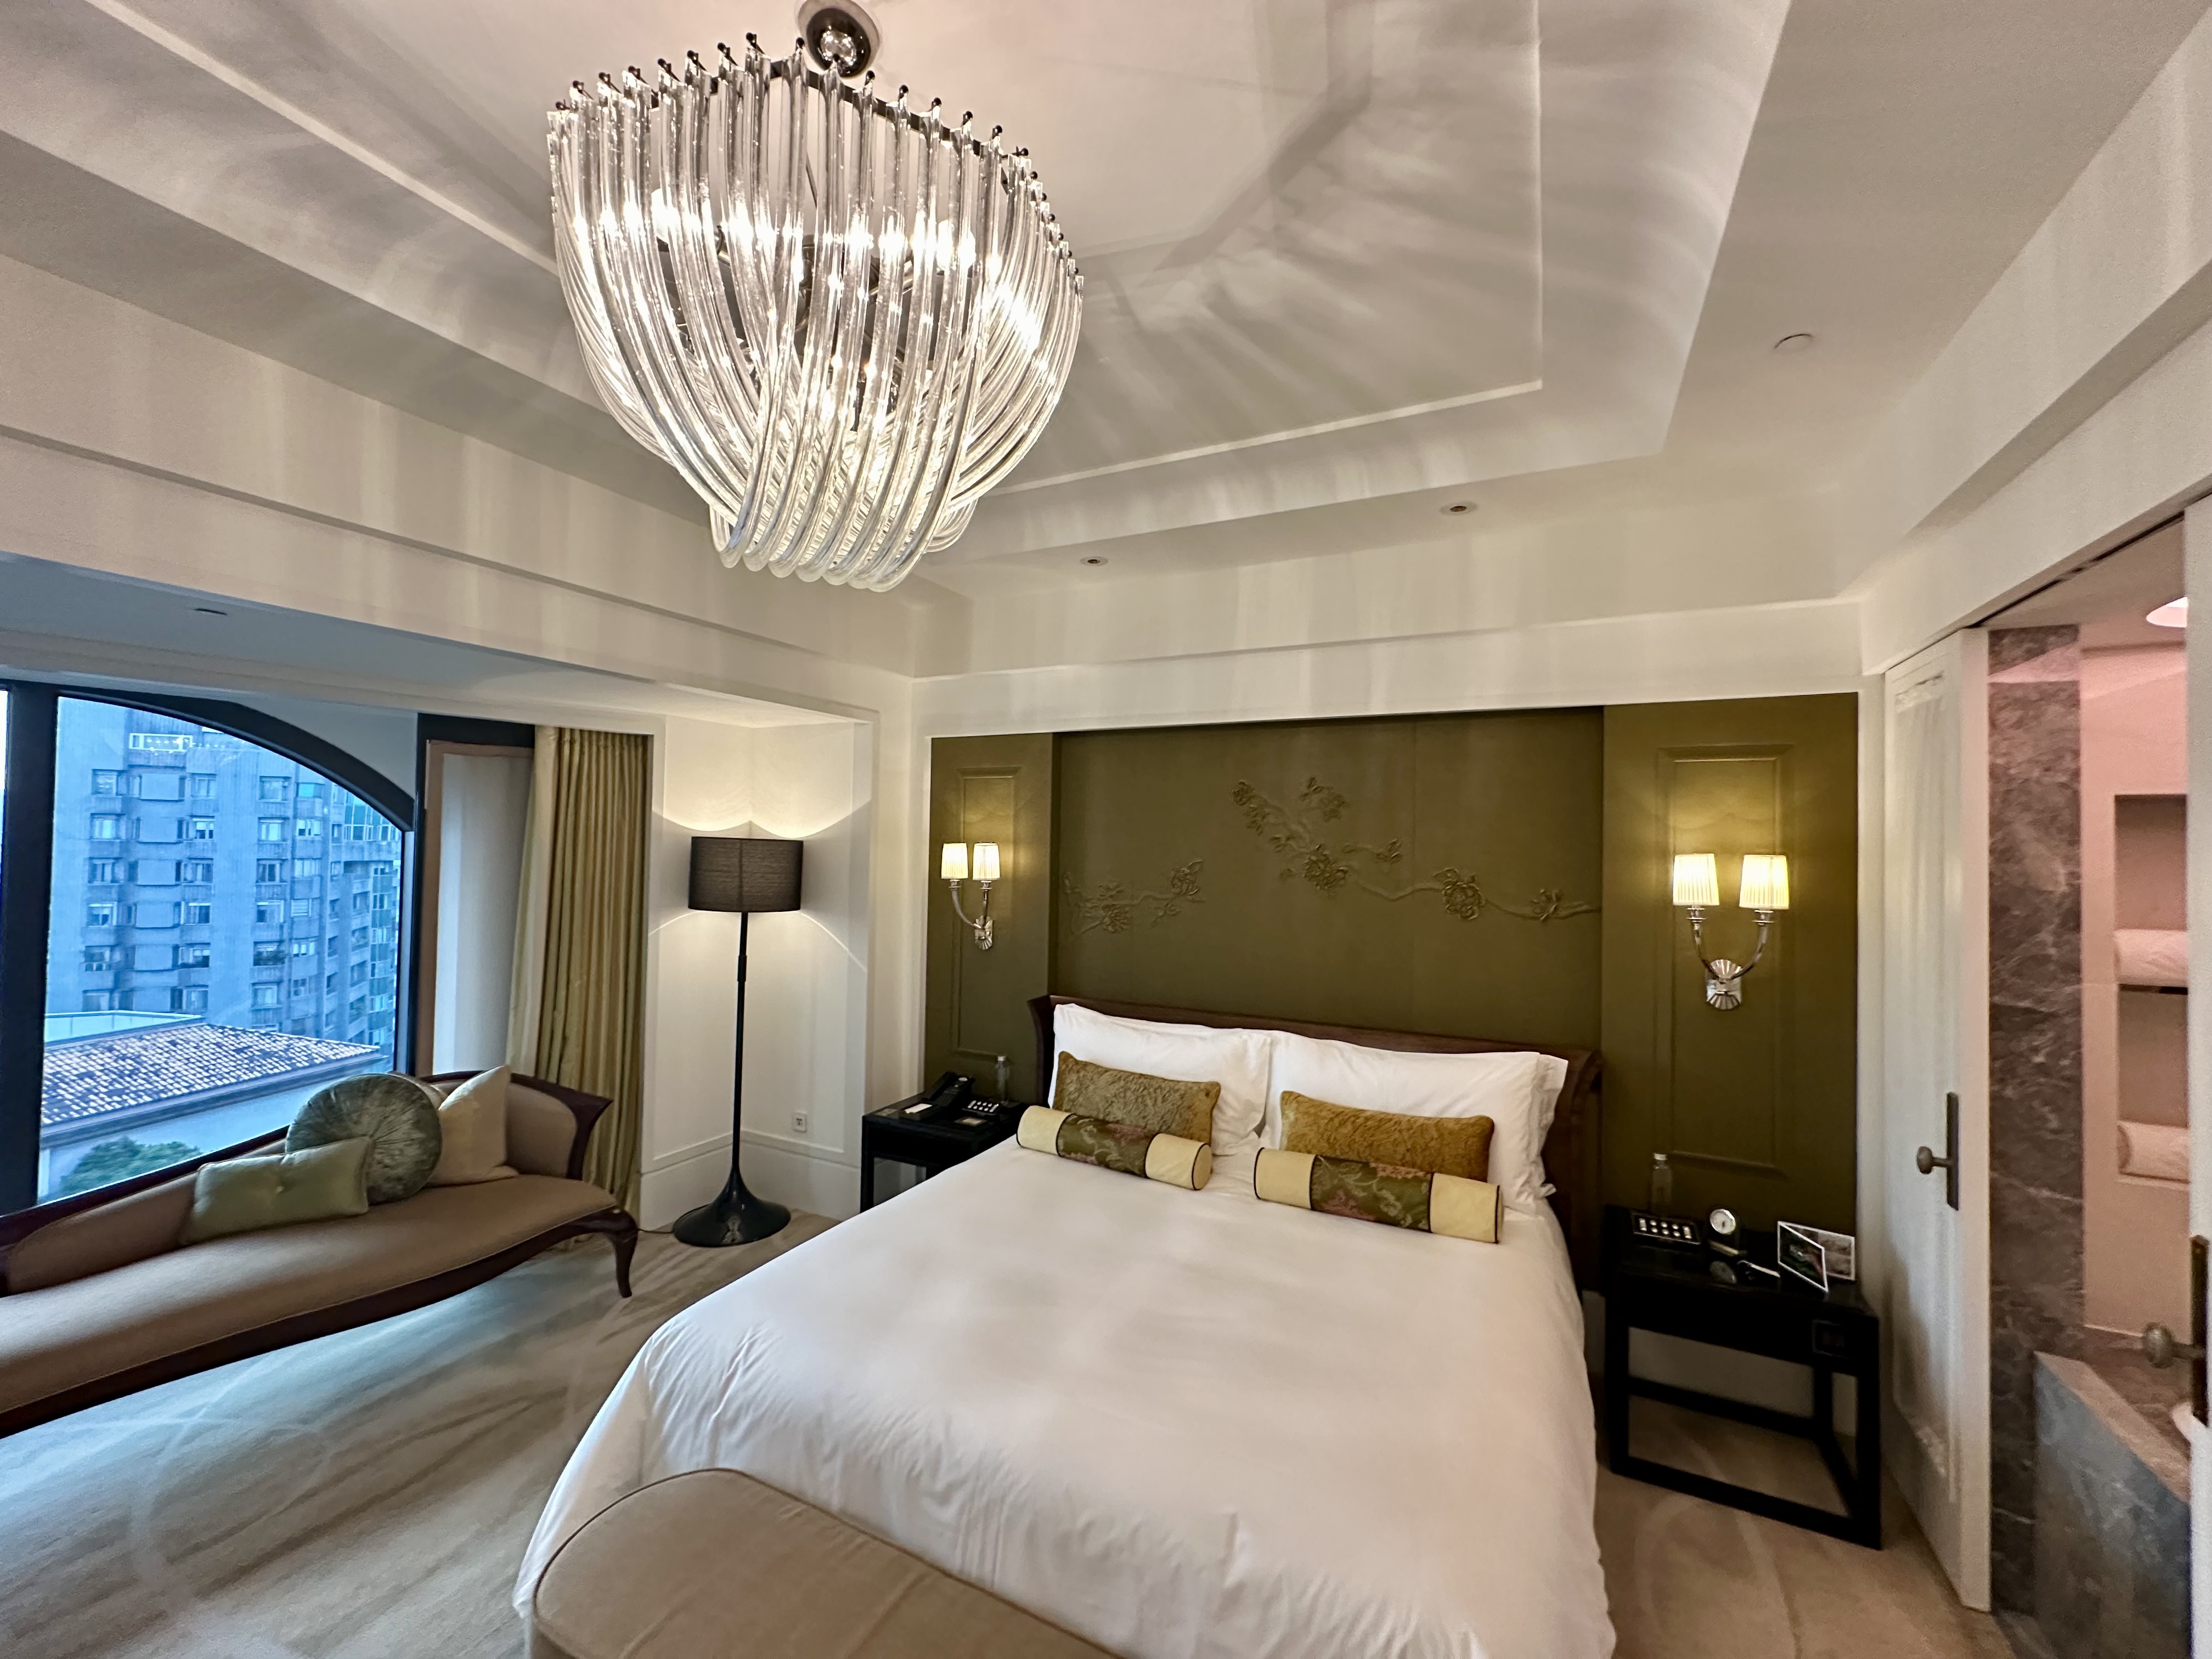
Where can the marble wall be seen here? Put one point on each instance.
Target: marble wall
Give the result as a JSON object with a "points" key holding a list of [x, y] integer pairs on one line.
{"points": [[2035, 1064], [2112, 1523]]}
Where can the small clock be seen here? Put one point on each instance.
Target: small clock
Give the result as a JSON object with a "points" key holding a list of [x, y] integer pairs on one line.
{"points": [[1723, 1224]]}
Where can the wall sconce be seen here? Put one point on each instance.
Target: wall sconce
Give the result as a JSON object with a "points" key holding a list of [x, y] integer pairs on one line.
{"points": [[953, 868], [1766, 889]]}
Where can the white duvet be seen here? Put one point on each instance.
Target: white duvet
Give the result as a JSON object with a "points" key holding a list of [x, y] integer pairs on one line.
{"points": [[1178, 1423]]}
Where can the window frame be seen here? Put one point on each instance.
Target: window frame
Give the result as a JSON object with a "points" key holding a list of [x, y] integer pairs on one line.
{"points": [[27, 838]]}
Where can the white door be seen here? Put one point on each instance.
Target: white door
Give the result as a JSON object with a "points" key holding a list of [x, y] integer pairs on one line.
{"points": [[2198, 567], [1936, 1265]]}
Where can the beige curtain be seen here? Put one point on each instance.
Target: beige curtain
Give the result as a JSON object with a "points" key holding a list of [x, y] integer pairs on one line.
{"points": [[578, 1009]]}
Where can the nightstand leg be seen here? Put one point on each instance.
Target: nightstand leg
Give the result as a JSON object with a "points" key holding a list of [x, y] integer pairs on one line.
{"points": [[867, 1181], [1868, 1506], [1616, 1390]]}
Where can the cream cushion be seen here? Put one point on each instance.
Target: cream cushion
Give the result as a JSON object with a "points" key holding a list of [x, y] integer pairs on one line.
{"points": [[472, 1119]]}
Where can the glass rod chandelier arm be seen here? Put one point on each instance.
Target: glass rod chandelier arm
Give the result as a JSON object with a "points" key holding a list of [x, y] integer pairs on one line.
{"points": [[840, 318]]}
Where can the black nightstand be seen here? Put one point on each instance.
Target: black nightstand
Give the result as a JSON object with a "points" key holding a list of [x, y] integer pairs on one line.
{"points": [[930, 1144], [1653, 1287]]}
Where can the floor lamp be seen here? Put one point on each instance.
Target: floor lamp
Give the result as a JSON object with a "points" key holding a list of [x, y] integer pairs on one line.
{"points": [[742, 873]]}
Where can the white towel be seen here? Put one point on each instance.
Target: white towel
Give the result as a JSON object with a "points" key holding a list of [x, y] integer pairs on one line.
{"points": [[2157, 1152], [2152, 956]]}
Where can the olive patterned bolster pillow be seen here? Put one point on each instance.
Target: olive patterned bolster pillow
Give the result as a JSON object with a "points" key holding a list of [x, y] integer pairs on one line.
{"points": [[1130, 1148], [1422, 1199]]}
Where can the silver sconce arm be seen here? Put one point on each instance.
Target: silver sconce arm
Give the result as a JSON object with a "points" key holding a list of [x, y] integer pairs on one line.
{"points": [[1724, 979], [980, 921]]}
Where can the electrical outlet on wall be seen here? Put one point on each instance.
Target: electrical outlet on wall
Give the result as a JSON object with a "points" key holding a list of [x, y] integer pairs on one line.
{"points": [[799, 1123]]}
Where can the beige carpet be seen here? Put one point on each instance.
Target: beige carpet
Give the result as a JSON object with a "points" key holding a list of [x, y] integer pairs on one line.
{"points": [[368, 1495]]}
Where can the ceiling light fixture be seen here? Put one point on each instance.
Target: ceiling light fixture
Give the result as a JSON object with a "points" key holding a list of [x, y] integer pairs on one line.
{"points": [[1457, 507], [207, 611], [1791, 343], [2173, 614], [842, 320], [1094, 559]]}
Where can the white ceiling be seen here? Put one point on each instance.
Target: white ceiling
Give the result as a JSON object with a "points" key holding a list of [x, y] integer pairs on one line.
{"points": [[1348, 260]]}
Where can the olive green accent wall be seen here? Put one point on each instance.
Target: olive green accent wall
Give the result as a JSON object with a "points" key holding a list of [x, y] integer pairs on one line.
{"points": [[977, 1001], [1389, 873], [1756, 1106]]}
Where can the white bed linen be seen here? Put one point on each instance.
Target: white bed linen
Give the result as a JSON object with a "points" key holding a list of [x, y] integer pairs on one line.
{"points": [[1179, 1424]]}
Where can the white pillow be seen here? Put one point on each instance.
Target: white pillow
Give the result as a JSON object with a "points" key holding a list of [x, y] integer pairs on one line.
{"points": [[1237, 1059], [1517, 1090]]}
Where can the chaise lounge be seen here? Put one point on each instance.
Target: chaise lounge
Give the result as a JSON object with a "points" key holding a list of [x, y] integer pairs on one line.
{"points": [[98, 1299]]}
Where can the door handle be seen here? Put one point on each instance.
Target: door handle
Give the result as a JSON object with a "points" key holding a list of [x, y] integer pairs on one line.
{"points": [[2161, 1347], [1927, 1162]]}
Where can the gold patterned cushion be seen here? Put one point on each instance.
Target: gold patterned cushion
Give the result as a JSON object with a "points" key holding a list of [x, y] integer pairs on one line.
{"points": [[1175, 1160], [1164, 1105], [1398, 1197], [1448, 1145]]}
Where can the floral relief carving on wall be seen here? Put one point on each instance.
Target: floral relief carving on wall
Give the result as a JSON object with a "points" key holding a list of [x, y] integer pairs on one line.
{"points": [[1109, 907], [1327, 866]]}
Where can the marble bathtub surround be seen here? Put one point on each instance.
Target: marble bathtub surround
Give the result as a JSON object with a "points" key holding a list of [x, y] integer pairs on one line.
{"points": [[2112, 1523], [2035, 1063]]}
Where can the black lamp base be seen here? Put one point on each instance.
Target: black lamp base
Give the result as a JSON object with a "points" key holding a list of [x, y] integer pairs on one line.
{"points": [[736, 1216]]}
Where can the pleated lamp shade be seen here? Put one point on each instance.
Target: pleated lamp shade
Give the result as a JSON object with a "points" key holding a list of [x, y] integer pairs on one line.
{"points": [[744, 872]]}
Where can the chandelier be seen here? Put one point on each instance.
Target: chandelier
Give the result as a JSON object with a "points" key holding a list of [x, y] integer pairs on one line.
{"points": [[843, 320]]}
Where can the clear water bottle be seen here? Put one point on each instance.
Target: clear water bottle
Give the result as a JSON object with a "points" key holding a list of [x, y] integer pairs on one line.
{"points": [[1001, 1084], [1662, 1184]]}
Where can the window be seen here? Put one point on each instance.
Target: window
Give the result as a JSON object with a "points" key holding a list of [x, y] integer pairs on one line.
{"points": [[330, 985], [245, 1032], [358, 975], [360, 938], [360, 903], [379, 900]]}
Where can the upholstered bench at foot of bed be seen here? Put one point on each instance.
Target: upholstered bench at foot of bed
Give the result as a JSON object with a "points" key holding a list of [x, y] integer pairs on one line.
{"points": [[715, 1564]]}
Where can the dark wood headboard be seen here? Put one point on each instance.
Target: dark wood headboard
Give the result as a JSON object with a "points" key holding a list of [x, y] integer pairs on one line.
{"points": [[1571, 1151]]}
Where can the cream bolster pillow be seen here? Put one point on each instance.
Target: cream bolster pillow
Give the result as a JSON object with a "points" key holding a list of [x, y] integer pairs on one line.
{"points": [[1175, 1160], [1426, 1202]]}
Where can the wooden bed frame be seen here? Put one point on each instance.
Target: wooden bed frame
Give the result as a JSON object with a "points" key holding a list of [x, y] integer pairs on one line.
{"points": [[1571, 1151]]}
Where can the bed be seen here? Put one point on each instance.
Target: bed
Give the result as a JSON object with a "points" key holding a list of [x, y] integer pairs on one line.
{"points": [[1176, 1423]]}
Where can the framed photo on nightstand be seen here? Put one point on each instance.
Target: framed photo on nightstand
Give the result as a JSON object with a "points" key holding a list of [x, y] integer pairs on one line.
{"points": [[1800, 1256]]}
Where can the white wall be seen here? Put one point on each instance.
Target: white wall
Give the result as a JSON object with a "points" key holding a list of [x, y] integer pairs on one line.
{"points": [[807, 1025]]}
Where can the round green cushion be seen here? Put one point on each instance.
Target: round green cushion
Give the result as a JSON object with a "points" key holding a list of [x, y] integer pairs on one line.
{"points": [[398, 1117]]}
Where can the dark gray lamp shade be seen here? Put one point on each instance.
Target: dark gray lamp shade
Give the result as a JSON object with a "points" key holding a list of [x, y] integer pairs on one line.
{"points": [[744, 872]]}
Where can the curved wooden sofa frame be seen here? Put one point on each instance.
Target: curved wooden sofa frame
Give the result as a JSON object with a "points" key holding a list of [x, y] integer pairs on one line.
{"points": [[1571, 1151], [614, 1224]]}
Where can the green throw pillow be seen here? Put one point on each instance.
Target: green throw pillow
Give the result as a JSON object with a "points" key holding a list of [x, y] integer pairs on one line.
{"points": [[399, 1117], [248, 1194]]}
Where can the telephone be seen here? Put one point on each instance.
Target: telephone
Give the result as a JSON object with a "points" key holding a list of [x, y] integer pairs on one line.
{"points": [[951, 1092]]}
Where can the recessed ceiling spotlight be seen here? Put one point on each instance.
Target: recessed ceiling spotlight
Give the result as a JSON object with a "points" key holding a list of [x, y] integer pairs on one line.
{"points": [[1458, 507], [2173, 615], [1795, 342], [1094, 559], [207, 611]]}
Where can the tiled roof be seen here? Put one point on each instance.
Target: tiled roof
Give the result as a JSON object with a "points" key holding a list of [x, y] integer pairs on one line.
{"points": [[137, 1068]]}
